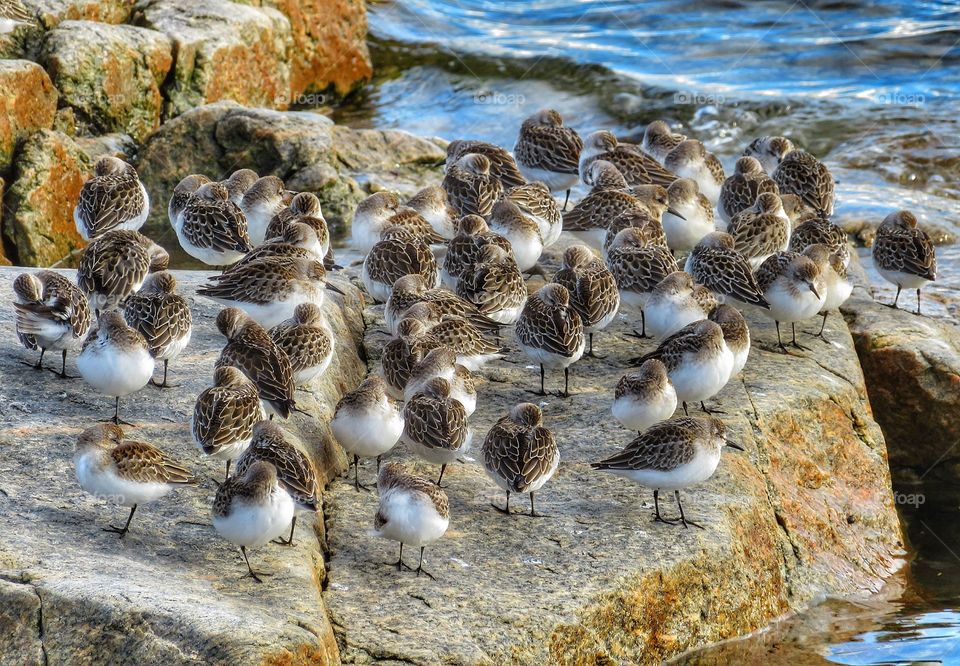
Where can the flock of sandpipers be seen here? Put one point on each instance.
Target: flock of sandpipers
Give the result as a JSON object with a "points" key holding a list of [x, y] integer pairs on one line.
{"points": [[449, 264]]}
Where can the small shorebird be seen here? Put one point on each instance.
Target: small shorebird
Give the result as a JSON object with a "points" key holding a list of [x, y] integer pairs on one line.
{"points": [[210, 227], [470, 186], [115, 359], [608, 200], [224, 414], [698, 362], [903, 254], [410, 290], [124, 472], [307, 341], [646, 223], [690, 159], [671, 455], [295, 470], [263, 200], [442, 362], [467, 341], [433, 205], [412, 510], [238, 183], [537, 204], [740, 191], [250, 348], [184, 190], [502, 165], [113, 199], [716, 265], [638, 267], [494, 285], [297, 241], [769, 151], [115, 265], [736, 334], [548, 151], [463, 250], [659, 140], [837, 288], [803, 174], [402, 354], [398, 253], [162, 317], [675, 302], [689, 217], [269, 289], [791, 283], [761, 230], [52, 313], [819, 231], [644, 397], [592, 287], [636, 167], [520, 454], [435, 425], [305, 209], [550, 332], [251, 510], [522, 232], [383, 210], [367, 422]]}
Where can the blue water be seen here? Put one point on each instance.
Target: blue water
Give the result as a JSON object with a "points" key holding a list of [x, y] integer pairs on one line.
{"points": [[872, 88]]}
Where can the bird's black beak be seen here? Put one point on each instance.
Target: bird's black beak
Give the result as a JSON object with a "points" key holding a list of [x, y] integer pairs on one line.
{"points": [[673, 211], [335, 289], [734, 445], [814, 290]]}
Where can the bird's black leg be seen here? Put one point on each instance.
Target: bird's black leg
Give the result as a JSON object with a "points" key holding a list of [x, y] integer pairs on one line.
{"points": [[226, 473], [533, 511], [896, 298], [356, 474], [287, 542], [643, 328], [823, 325], [657, 518], [420, 569], [126, 528], [918, 302], [566, 200], [685, 412], [378, 463], [443, 468], [706, 410], [780, 344], [116, 414], [507, 509], [400, 564], [590, 353], [542, 390], [794, 343], [683, 519], [39, 364], [250, 572], [566, 382]]}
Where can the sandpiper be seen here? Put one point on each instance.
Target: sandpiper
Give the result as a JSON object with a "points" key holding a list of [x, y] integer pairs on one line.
{"points": [[698, 361], [463, 250], [410, 290], [162, 317], [307, 341], [210, 227], [296, 241], [644, 397], [689, 217], [269, 289], [432, 204], [403, 353], [608, 200], [52, 313], [250, 348], [691, 159], [494, 285], [398, 253], [502, 164], [115, 265], [473, 350], [435, 425], [224, 414], [263, 200], [815, 231], [550, 332], [124, 472], [295, 470], [182, 193], [761, 230], [442, 362], [115, 359], [736, 334], [537, 204], [520, 454], [837, 288], [471, 188], [803, 174], [740, 191], [305, 209], [412, 510], [251, 510], [671, 455], [381, 211], [548, 151], [648, 229], [636, 166], [113, 199], [676, 301], [716, 265], [792, 285], [659, 140], [367, 422], [592, 287], [523, 233], [903, 254], [769, 151], [238, 182], [638, 267]]}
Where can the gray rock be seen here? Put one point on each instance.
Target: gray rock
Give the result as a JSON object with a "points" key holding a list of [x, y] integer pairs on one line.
{"points": [[170, 591]]}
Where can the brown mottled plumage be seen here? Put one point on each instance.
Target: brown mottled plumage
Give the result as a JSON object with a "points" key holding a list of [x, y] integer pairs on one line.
{"points": [[113, 199], [161, 316], [115, 265]]}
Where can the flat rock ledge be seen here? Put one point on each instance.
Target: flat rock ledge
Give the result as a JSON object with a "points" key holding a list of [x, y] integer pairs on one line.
{"points": [[170, 592], [806, 512]]}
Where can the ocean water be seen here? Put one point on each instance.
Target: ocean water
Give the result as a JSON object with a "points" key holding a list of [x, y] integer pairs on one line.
{"points": [[873, 89]]}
